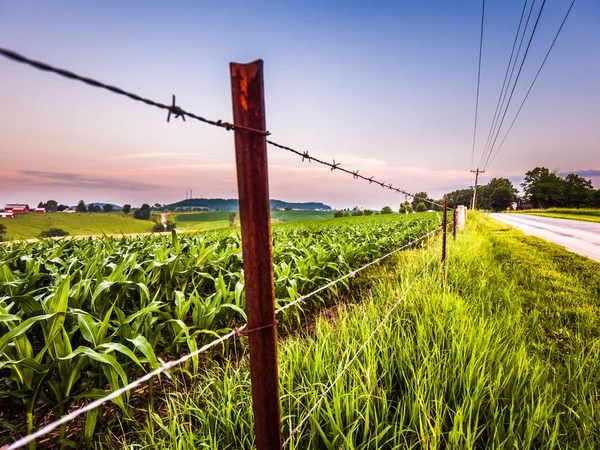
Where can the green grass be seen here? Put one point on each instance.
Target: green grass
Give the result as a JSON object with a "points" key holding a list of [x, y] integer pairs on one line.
{"points": [[28, 226], [504, 353], [587, 215]]}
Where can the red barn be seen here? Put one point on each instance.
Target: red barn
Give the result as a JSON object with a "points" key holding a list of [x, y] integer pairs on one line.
{"points": [[16, 208]]}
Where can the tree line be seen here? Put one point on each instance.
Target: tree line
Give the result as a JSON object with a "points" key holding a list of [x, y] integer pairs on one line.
{"points": [[142, 213], [542, 188]]}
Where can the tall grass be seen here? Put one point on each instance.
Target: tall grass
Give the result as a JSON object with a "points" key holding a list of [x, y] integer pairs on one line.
{"points": [[500, 349]]}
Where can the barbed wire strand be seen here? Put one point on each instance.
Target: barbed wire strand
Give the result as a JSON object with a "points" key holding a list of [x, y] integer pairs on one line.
{"points": [[95, 404], [358, 352], [172, 109], [355, 173], [177, 111], [169, 365], [303, 298]]}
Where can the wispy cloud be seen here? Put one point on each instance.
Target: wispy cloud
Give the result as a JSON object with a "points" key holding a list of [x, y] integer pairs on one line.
{"points": [[158, 155], [81, 181]]}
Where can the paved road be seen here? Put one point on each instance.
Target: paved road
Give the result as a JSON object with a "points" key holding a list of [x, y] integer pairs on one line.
{"points": [[577, 236]]}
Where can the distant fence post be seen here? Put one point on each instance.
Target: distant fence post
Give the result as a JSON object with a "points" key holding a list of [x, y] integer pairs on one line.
{"points": [[445, 229], [253, 188], [462, 215], [454, 223]]}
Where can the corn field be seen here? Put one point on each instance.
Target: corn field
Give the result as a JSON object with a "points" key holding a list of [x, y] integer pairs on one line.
{"points": [[78, 318]]}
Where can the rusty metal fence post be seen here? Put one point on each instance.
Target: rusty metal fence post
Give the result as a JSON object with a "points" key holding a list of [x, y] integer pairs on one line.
{"points": [[454, 223], [445, 229], [253, 188]]}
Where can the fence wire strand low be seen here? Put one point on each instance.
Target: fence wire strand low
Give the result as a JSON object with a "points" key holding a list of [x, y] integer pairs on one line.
{"points": [[358, 352]]}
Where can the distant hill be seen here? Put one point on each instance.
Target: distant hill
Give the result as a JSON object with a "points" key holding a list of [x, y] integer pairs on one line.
{"points": [[232, 204]]}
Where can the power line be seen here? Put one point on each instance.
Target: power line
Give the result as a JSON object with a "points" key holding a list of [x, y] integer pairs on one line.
{"points": [[533, 82], [510, 78], [516, 82], [478, 80], [502, 91]]}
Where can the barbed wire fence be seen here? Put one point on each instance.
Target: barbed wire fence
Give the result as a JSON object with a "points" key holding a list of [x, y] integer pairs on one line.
{"points": [[268, 324]]}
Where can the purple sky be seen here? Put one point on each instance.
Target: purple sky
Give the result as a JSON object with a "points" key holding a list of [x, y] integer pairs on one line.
{"points": [[387, 87]]}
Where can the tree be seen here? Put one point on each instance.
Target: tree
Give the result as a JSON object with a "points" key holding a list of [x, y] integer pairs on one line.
{"points": [[501, 198], [338, 214], [368, 212], [41, 205], [61, 207], [459, 197], [232, 219], [484, 193], [418, 198], [357, 212], [126, 208], [578, 191], [158, 228], [81, 208], [386, 210], [405, 208], [53, 232], [543, 188], [421, 207], [93, 208], [143, 212], [51, 205], [595, 202], [2, 231], [107, 207]]}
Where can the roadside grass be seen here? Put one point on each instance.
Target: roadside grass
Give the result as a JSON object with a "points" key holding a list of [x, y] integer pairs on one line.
{"points": [[28, 226], [503, 353], [587, 215]]}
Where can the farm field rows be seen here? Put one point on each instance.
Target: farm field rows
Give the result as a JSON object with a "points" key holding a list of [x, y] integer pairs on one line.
{"points": [[504, 354], [80, 317]]}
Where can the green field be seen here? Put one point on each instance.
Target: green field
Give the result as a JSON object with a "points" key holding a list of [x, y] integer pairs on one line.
{"points": [[220, 219], [28, 226], [587, 215]]}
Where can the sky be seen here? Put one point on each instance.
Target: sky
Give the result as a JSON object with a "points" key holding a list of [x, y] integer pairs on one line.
{"points": [[384, 87]]}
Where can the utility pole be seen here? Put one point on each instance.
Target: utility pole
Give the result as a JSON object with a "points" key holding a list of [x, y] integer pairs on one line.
{"points": [[476, 172]]}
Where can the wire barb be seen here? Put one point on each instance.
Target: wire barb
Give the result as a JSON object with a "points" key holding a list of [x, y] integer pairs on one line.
{"points": [[176, 110]]}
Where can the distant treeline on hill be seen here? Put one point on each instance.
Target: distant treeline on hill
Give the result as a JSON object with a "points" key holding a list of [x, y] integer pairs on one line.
{"points": [[232, 204]]}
